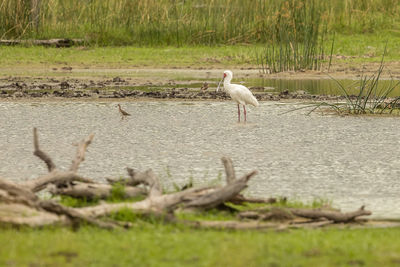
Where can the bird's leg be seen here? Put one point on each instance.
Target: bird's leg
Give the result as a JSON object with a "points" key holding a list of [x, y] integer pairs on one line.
{"points": [[244, 110], [238, 113]]}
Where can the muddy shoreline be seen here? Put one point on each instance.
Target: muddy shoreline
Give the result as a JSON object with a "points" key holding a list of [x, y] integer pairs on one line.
{"points": [[94, 83], [119, 88]]}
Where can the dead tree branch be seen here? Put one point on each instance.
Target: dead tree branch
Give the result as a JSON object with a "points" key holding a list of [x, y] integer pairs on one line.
{"points": [[336, 216], [229, 170], [55, 177], [80, 153], [40, 154], [95, 191], [74, 215], [222, 194]]}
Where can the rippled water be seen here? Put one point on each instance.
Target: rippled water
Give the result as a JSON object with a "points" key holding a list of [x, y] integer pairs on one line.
{"points": [[320, 86], [349, 160]]}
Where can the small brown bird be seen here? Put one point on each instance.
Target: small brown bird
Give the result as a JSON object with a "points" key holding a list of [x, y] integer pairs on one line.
{"points": [[205, 86], [123, 112]]}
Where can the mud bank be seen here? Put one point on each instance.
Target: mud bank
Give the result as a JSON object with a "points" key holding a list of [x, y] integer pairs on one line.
{"points": [[117, 88]]}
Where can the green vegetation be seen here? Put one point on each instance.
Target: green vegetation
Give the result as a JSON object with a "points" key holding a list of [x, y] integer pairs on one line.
{"points": [[299, 42], [365, 48], [154, 242], [284, 34], [126, 57], [177, 23], [371, 98], [76, 202], [167, 245]]}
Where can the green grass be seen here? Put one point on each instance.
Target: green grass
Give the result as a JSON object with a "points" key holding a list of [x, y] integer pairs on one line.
{"points": [[369, 47], [36, 59], [119, 57], [153, 242], [167, 245]]}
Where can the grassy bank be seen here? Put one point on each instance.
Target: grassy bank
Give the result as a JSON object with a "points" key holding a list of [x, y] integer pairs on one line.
{"points": [[177, 23], [157, 245], [364, 48]]}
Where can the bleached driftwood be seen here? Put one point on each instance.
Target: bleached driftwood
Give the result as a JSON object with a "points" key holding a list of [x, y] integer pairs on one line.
{"points": [[56, 176], [90, 191], [313, 214], [335, 216], [51, 42]]}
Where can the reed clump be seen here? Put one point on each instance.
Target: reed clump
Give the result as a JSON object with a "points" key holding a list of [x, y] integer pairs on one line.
{"points": [[298, 40], [371, 97], [189, 22]]}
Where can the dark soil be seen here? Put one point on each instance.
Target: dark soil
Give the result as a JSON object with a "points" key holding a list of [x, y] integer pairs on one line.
{"points": [[116, 88]]}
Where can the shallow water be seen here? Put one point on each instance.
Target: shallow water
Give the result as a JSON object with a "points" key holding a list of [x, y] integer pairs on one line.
{"points": [[322, 86], [349, 160], [311, 86]]}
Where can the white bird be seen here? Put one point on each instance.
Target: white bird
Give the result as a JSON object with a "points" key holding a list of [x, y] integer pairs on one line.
{"points": [[239, 93]]}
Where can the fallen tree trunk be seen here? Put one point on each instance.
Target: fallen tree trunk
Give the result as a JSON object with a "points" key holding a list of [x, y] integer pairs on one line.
{"points": [[96, 191], [17, 214], [55, 177], [220, 195], [313, 214], [335, 216], [240, 199], [231, 225], [51, 42]]}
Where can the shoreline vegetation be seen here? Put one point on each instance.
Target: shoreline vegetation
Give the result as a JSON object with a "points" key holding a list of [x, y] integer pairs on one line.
{"points": [[180, 23], [271, 36]]}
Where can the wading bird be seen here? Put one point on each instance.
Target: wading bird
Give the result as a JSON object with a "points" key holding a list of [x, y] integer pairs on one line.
{"points": [[239, 93], [205, 86], [123, 112]]}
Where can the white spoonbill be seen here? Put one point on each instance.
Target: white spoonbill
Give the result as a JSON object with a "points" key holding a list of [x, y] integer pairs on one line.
{"points": [[239, 93]]}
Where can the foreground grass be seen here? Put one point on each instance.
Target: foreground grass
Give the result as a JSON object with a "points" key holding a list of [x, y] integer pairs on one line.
{"points": [[165, 245], [151, 242]]}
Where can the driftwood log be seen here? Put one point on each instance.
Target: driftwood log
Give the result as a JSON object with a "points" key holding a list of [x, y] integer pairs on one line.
{"points": [[91, 191], [19, 205], [52, 42]]}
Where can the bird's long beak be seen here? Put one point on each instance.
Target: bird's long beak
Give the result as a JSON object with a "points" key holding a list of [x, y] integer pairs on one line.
{"points": [[220, 83]]}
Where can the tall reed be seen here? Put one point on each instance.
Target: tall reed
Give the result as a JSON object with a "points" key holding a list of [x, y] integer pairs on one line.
{"points": [[298, 42], [186, 22]]}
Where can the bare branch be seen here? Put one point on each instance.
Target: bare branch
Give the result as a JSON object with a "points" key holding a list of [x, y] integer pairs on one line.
{"points": [[40, 154], [147, 178], [74, 214], [80, 153], [55, 177], [232, 225], [222, 194], [336, 216], [14, 193], [229, 170], [17, 214], [240, 199], [95, 191]]}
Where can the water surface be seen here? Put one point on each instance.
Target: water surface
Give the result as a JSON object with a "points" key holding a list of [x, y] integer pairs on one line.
{"points": [[349, 160]]}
